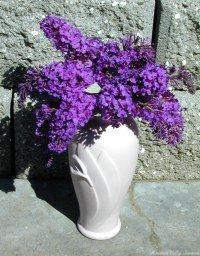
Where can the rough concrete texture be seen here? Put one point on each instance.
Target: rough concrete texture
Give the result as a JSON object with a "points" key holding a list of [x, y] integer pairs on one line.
{"points": [[179, 34], [23, 44], [5, 143], [38, 218], [158, 161]]}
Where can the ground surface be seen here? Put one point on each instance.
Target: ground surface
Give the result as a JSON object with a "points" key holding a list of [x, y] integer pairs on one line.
{"points": [[38, 218]]}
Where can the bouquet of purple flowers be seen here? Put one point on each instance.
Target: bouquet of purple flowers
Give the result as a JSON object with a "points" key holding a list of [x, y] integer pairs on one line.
{"points": [[116, 80]]}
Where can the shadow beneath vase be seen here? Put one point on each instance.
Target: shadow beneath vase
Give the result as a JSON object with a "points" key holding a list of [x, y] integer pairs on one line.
{"points": [[60, 195], [29, 154]]}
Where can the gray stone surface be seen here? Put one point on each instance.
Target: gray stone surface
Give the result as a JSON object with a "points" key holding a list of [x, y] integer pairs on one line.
{"points": [[172, 211], [5, 143], [157, 161], [38, 218], [23, 44], [179, 34]]}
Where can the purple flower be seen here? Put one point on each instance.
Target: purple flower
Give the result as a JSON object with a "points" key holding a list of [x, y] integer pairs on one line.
{"points": [[63, 36], [177, 74], [164, 115], [151, 81], [131, 85], [116, 104], [68, 119]]}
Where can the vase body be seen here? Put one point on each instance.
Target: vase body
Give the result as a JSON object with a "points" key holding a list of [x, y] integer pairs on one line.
{"points": [[102, 164]]}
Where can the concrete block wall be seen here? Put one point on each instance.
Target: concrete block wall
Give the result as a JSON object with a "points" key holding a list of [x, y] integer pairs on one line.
{"points": [[22, 44], [158, 161], [178, 33], [176, 36]]}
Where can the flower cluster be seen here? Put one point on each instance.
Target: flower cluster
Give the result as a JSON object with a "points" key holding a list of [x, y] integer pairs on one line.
{"points": [[131, 85], [163, 113]]}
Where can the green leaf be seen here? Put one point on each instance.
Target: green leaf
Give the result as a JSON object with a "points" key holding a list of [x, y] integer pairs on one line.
{"points": [[93, 89]]}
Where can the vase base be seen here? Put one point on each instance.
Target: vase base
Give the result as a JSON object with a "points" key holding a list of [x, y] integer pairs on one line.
{"points": [[100, 236]]}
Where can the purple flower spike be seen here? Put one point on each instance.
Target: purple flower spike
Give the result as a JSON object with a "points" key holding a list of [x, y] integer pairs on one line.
{"points": [[152, 80], [164, 115], [63, 36]]}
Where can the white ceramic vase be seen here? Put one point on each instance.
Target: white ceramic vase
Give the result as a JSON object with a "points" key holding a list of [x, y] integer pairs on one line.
{"points": [[102, 163]]}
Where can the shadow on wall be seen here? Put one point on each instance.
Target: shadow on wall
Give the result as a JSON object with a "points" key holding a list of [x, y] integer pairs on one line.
{"points": [[5, 154], [156, 22], [29, 153], [30, 156], [7, 185]]}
